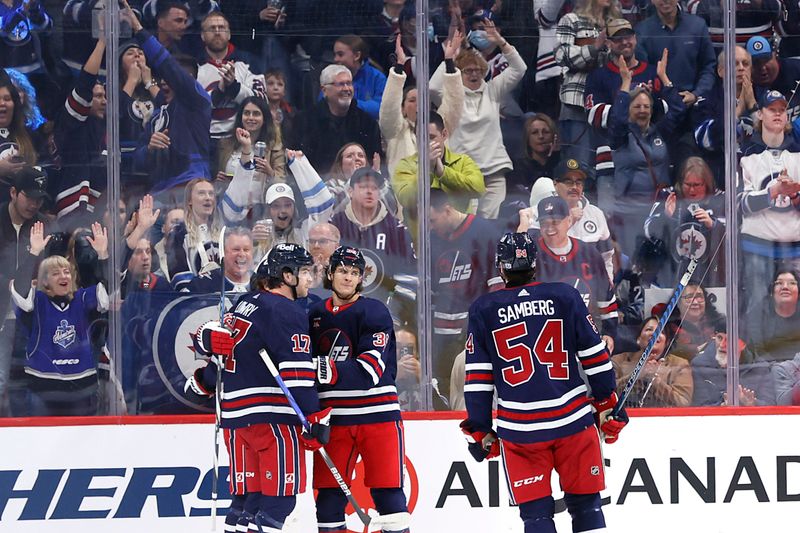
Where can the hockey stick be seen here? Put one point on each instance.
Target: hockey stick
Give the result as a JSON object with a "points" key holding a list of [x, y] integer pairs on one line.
{"points": [[659, 328], [365, 518], [218, 389]]}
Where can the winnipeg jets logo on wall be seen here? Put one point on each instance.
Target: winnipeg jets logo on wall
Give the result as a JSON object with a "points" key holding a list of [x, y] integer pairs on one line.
{"points": [[172, 347], [64, 335]]}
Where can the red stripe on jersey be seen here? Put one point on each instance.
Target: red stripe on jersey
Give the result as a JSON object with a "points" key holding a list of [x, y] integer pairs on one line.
{"points": [[75, 198], [602, 358], [538, 415], [349, 402], [603, 157], [482, 376], [597, 118], [608, 308], [80, 109], [372, 360], [298, 374], [261, 399]]}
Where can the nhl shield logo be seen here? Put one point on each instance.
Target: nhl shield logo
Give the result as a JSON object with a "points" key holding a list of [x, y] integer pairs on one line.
{"points": [[595, 470], [64, 335]]}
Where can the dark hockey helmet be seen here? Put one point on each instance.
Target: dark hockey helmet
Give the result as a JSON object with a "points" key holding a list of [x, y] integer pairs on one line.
{"points": [[515, 252], [348, 256], [283, 256]]}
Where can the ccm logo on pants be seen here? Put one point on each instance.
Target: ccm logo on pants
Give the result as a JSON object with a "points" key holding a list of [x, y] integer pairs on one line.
{"points": [[528, 481]]}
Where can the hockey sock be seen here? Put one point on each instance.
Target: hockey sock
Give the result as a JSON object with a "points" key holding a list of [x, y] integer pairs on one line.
{"points": [[234, 513], [251, 502], [586, 512], [273, 513], [330, 511], [391, 504], [243, 525], [537, 515]]}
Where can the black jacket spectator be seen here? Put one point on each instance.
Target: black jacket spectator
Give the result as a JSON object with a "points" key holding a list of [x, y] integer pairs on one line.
{"points": [[320, 134]]}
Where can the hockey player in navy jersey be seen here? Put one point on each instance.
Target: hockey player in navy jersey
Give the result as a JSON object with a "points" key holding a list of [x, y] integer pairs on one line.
{"points": [[530, 342], [263, 438], [354, 344]]}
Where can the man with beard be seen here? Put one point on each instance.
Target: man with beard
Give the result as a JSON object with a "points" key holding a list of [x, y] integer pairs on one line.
{"points": [[602, 86], [709, 370], [224, 74], [576, 263], [335, 121]]}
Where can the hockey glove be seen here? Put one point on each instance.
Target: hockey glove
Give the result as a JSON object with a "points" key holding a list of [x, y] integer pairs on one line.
{"points": [[326, 370], [481, 444], [213, 339], [609, 426], [320, 432], [195, 390]]}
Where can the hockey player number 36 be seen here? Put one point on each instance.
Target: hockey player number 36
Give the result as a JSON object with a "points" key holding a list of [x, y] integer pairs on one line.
{"points": [[548, 350]]}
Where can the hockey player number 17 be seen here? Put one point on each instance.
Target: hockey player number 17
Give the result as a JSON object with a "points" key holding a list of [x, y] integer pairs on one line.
{"points": [[548, 350]]}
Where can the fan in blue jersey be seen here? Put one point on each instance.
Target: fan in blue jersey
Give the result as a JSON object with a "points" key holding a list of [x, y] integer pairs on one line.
{"points": [[354, 343], [262, 432], [60, 367], [530, 342]]}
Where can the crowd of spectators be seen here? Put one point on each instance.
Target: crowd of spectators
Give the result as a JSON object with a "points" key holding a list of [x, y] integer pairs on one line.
{"points": [[595, 125]]}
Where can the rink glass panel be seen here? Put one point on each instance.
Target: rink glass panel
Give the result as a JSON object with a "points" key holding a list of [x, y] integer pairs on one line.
{"points": [[148, 332]]}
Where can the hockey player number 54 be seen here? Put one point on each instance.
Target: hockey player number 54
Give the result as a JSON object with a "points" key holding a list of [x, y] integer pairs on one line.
{"points": [[548, 350]]}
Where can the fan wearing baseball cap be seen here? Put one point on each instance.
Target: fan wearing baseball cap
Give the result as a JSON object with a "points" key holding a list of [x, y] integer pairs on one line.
{"points": [[770, 198], [587, 221], [17, 216], [771, 72], [575, 262]]}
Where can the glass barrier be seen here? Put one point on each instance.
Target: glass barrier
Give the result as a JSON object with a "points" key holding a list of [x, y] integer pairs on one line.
{"points": [[606, 131]]}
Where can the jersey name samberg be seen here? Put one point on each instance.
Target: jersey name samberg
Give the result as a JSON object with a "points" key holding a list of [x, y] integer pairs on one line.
{"points": [[523, 309]]}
